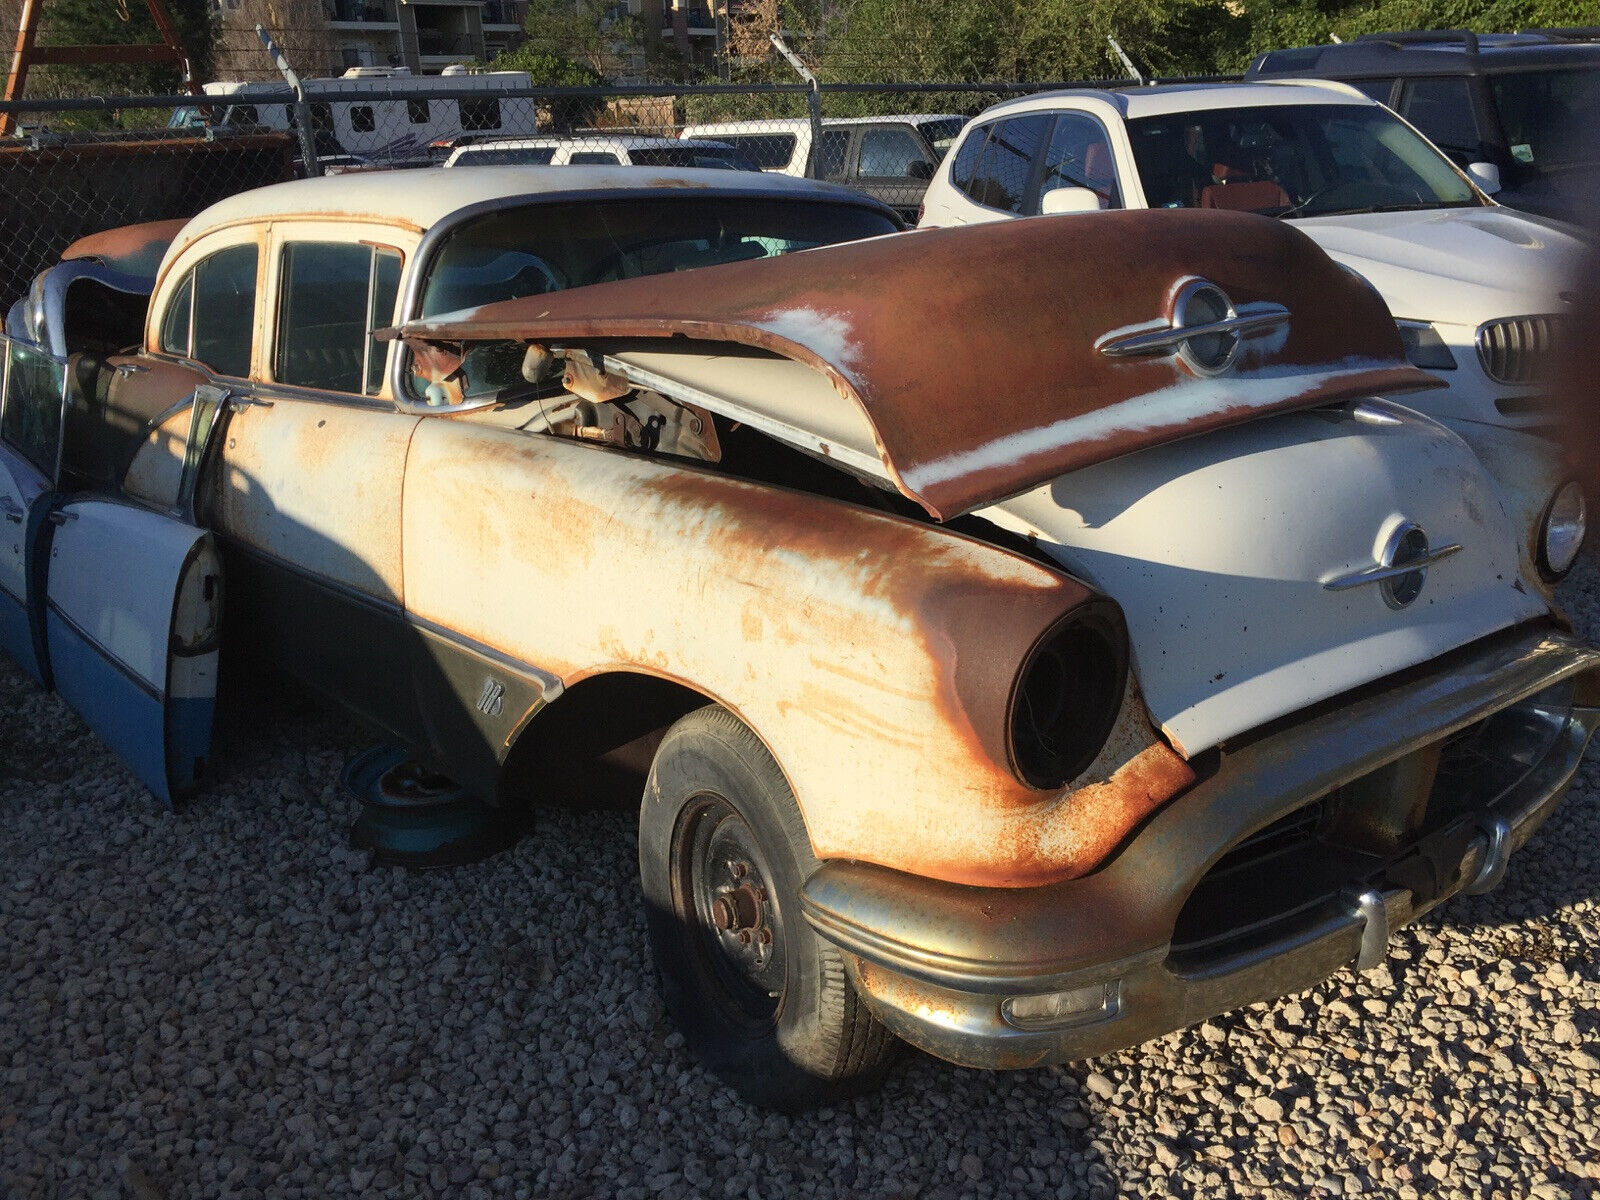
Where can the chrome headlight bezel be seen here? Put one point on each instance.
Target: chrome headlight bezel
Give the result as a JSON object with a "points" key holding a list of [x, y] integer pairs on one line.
{"points": [[1563, 529], [1067, 696]]}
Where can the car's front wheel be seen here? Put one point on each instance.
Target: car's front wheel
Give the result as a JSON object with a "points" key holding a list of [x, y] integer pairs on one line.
{"points": [[760, 998]]}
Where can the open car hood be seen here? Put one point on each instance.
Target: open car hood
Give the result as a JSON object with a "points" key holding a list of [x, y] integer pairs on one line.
{"points": [[964, 362]]}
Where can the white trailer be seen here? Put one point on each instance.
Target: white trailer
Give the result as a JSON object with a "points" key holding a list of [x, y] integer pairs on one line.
{"points": [[405, 113]]}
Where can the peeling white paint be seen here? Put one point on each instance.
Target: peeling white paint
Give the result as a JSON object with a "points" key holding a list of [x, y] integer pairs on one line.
{"points": [[1175, 405]]}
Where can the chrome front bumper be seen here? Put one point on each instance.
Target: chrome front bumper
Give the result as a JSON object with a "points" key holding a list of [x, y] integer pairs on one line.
{"points": [[942, 964]]}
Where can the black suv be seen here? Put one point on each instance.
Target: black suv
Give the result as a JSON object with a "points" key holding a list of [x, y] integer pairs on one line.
{"points": [[1529, 103]]}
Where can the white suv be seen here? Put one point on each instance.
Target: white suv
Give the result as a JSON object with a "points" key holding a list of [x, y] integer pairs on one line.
{"points": [[599, 150], [1477, 290]]}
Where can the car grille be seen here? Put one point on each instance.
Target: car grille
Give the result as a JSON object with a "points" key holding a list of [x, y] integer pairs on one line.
{"points": [[1518, 349]]}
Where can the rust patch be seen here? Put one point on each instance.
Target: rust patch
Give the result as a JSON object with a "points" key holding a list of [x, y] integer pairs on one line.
{"points": [[952, 433], [134, 249]]}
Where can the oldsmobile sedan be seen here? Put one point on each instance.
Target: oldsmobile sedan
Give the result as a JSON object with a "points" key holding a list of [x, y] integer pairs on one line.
{"points": [[1018, 663]]}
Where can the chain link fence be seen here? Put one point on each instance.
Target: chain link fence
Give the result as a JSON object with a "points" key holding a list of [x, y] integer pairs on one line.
{"points": [[78, 166]]}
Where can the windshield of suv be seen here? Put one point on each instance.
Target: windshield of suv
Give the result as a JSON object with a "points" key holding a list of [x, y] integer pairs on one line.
{"points": [[1549, 117], [537, 248], [1293, 161]]}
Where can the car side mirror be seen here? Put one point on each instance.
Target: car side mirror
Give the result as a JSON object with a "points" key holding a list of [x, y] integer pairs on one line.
{"points": [[1486, 175], [1069, 200], [921, 169]]}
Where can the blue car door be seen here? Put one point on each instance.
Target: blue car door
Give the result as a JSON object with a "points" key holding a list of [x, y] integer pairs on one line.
{"points": [[134, 612], [32, 400], [134, 606], [115, 603]]}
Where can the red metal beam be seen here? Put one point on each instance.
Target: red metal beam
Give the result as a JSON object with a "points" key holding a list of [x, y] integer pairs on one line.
{"points": [[26, 53]]}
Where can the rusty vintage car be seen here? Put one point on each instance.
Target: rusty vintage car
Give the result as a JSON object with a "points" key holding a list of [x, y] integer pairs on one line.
{"points": [[1036, 636]]}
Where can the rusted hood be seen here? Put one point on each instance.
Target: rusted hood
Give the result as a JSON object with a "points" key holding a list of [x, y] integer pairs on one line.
{"points": [[132, 249], [972, 352]]}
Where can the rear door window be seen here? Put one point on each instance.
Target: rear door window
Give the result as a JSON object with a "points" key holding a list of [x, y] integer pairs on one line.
{"points": [[211, 317], [1007, 165], [964, 170]]}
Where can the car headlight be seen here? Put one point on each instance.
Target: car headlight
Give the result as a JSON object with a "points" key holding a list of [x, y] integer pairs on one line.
{"points": [[1562, 530], [1424, 347], [1067, 696]]}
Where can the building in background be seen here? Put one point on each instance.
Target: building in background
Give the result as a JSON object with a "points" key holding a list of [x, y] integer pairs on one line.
{"points": [[327, 37]]}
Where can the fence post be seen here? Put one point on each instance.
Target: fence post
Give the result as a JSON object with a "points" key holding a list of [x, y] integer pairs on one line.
{"points": [[813, 106], [302, 110]]}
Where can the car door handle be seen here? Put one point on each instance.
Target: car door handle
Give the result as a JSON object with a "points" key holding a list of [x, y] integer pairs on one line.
{"points": [[61, 517], [12, 512], [131, 369]]}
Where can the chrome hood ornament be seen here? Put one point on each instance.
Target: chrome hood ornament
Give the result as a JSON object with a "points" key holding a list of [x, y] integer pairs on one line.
{"points": [[1204, 328]]}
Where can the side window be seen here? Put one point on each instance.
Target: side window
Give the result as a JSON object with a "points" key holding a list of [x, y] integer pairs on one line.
{"points": [[1442, 109], [593, 156], [889, 153], [1379, 89], [180, 316], [1002, 179], [830, 155], [965, 167], [417, 111], [212, 315], [361, 118], [764, 149], [380, 313], [331, 296], [1079, 155], [31, 415], [480, 112]]}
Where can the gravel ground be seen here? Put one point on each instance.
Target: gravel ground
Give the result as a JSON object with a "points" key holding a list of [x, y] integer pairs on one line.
{"points": [[224, 1003]]}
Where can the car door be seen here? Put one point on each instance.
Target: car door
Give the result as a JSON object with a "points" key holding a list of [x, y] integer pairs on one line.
{"points": [[133, 584], [32, 412], [134, 611]]}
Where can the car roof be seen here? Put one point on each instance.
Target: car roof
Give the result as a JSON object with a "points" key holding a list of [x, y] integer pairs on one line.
{"points": [[375, 195], [894, 118], [598, 141], [1446, 52], [1190, 97]]}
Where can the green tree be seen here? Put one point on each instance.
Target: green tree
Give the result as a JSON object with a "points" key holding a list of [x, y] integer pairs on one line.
{"points": [[123, 22]]}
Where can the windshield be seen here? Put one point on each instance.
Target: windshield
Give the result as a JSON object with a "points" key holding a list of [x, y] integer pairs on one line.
{"points": [[537, 248], [941, 134], [1293, 161], [1549, 117]]}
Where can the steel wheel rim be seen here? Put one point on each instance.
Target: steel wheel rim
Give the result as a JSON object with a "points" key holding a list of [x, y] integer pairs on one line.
{"points": [[724, 900]]}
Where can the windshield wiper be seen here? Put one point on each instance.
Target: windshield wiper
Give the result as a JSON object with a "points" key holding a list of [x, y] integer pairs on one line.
{"points": [[1390, 208]]}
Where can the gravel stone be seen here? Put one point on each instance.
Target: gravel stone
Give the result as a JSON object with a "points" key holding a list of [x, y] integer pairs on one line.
{"points": [[226, 1001]]}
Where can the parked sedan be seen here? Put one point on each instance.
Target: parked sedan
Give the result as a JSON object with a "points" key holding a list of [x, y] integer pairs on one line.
{"points": [[1480, 292], [1015, 665]]}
